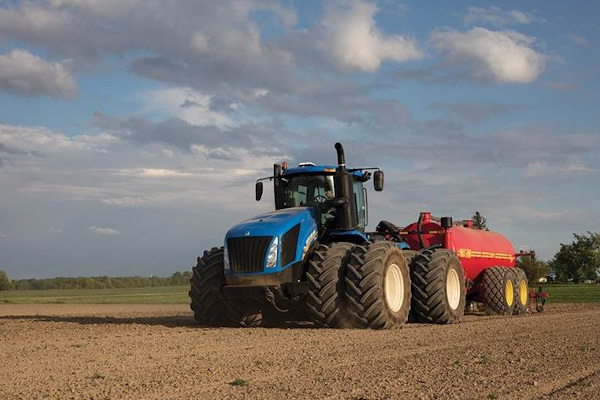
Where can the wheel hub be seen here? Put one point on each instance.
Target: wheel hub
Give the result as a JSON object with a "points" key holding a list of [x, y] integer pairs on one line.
{"points": [[523, 292], [509, 292], [453, 289], [394, 288]]}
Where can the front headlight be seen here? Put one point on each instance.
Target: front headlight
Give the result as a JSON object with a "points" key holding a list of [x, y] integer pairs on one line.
{"points": [[225, 256], [272, 257]]}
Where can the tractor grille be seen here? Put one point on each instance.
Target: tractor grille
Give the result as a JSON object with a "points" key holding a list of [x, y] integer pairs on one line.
{"points": [[247, 254]]}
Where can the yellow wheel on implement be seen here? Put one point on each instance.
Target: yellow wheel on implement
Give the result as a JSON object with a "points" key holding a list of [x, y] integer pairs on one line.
{"points": [[522, 291], [498, 290], [509, 292]]}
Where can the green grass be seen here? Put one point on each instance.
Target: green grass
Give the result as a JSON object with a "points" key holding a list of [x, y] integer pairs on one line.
{"points": [[239, 382], [149, 295], [559, 293], [571, 293]]}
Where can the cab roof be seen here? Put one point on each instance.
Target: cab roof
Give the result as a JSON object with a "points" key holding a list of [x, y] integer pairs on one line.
{"points": [[315, 169]]}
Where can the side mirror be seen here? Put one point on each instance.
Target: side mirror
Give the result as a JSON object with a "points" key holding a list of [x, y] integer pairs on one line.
{"points": [[378, 181], [259, 190]]}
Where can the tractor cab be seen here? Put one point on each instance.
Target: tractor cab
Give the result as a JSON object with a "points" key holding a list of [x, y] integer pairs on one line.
{"points": [[335, 194], [309, 185]]}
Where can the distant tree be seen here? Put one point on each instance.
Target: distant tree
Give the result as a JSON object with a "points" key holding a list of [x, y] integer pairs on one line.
{"points": [[534, 269], [479, 222], [4, 281], [579, 260], [23, 284]]}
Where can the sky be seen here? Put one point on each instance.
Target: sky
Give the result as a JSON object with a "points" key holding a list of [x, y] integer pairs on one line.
{"points": [[132, 131]]}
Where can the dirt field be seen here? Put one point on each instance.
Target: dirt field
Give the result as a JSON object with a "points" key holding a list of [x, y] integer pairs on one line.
{"points": [[155, 352]]}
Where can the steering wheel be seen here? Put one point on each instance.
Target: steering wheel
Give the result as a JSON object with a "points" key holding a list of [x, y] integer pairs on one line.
{"points": [[320, 199]]}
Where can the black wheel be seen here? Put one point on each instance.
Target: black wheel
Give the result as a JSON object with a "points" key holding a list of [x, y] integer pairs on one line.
{"points": [[497, 291], [244, 313], [378, 286], [409, 256], [207, 279], [521, 291], [438, 287], [325, 301]]}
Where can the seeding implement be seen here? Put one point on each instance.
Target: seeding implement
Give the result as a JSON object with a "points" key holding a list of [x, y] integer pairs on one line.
{"points": [[312, 259]]}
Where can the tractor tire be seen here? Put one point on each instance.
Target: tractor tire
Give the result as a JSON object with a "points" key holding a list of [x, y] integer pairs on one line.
{"points": [[378, 286], [521, 291], [409, 256], [438, 287], [244, 313], [207, 279], [325, 301], [497, 291]]}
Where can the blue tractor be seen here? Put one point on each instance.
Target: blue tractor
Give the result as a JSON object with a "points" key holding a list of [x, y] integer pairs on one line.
{"points": [[310, 259]]}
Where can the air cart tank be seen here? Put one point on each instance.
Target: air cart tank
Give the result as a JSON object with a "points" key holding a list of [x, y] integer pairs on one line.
{"points": [[477, 249]]}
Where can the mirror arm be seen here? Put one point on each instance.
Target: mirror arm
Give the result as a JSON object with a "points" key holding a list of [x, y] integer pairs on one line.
{"points": [[270, 178], [364, 169]]}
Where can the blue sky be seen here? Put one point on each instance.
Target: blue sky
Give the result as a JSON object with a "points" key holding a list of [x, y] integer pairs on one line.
{"points": [[131, 132]]}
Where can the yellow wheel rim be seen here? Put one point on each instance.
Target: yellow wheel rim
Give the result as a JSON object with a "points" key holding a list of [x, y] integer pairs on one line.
{"points": [[523, 292], [509, 292]]}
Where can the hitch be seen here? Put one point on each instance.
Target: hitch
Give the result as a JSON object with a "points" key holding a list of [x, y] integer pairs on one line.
{"points": [[538, 298], [270, 297]]}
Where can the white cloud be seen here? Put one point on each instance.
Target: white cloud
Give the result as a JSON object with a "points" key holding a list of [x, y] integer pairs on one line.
{"points": [[45, 140], [355, 42], [56, 230], [185, 103], [500, 56], [103, 231], [26, 74], [124, 201], [3, 235], [155, 173], [496, 16], [541, 169]]}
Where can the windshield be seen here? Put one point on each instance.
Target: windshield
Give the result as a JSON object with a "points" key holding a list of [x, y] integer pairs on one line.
{"points": [[306, 190], [315, 190]]}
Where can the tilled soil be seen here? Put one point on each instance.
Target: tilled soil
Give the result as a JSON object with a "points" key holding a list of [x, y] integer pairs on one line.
{"points": [[156, 352]]}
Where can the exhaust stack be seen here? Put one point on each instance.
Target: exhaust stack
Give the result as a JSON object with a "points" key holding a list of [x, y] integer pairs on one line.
{"points": [[347, 217]]}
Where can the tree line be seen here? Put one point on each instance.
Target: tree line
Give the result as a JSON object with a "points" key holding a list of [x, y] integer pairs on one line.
{"points": [[577, 261], [94, 282]]}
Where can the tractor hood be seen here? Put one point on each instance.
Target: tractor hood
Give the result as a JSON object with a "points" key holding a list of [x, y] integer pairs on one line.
{"points": [[292, 231], [275, 223]]}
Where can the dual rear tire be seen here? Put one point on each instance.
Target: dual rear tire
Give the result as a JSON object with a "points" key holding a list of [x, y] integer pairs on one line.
{"points": [[354, 286], [498, 291], [438, 287], [378, 286]]}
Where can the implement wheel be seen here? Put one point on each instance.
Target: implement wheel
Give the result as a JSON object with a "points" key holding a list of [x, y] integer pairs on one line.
{"points": [[378, 286], [438, 287], [325, 302], [521, 291], [498, 291], [207, 279]]}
